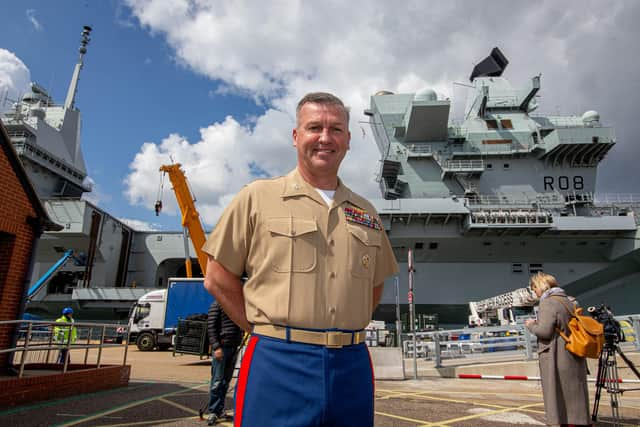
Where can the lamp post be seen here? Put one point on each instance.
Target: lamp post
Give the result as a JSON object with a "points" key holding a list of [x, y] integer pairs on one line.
{"points": [[412, 313]]}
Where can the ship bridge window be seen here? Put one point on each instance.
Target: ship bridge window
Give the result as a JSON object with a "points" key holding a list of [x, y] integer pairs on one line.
{"points": [[506, 124], [535, 268], [419, 245], [516, 268], [433, 245], [489, 166], [492, 124], [506, 166]]}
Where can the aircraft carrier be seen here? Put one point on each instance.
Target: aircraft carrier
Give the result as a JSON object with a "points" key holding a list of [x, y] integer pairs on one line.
{"points": [[504, 193], [482, 204]]}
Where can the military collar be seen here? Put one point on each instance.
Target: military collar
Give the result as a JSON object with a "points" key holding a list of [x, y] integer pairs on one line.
{"points": [[295, 185]]}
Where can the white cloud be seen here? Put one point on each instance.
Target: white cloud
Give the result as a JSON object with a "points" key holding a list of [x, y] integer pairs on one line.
{"points": [[31, 16], [14, 79], [274, 52], [138, 225]]}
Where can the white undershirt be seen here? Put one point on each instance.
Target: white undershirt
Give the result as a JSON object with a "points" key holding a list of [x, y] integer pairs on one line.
{"points": [[327, 195]]}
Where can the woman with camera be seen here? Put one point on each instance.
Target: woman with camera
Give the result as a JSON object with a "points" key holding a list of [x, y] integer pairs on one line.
{"points": [[564, 375]]}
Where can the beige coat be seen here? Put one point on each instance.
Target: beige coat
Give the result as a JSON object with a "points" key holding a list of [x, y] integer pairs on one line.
{"points": [[564, 376]]}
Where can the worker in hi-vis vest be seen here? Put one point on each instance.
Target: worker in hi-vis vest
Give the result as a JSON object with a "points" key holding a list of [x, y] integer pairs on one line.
{"points": [[62, 335]]}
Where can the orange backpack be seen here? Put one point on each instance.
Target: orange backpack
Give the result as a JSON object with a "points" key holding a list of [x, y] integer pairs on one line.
{"points": [[587, 334]]}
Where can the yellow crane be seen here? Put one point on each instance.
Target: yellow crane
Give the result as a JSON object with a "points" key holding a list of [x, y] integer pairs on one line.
{"points": [[190, 217]]}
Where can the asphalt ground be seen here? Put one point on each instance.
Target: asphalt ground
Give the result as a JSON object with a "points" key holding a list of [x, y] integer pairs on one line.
{"points": [[168, 391]]}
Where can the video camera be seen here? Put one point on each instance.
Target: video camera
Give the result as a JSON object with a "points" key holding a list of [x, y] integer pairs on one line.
{"points": [[612, 330]]}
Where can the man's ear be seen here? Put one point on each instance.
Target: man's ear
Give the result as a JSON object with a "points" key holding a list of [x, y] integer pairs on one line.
{"points": [[294, 135]]}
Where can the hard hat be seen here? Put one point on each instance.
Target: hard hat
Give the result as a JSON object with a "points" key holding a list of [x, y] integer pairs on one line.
{"points": [[67, 310]]}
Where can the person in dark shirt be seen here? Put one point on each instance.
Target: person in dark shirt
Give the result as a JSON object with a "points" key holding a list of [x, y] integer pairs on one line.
{"points": [[224, 337]]}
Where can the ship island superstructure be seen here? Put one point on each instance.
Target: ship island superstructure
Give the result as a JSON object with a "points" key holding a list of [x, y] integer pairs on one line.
{"points": [[504, 193], [112, 264]]}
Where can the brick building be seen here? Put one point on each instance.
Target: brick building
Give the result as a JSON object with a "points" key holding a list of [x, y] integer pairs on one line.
{"points": [[22, 220]]}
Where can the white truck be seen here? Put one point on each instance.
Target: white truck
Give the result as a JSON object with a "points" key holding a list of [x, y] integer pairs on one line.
{"points": [[154, 317], [504, 309]]}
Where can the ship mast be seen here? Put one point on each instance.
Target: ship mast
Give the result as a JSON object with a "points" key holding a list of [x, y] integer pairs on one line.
{"points": [[71, 93]]}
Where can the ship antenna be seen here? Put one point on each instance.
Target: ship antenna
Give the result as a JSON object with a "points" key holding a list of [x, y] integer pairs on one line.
{"points": [[73, 87]]}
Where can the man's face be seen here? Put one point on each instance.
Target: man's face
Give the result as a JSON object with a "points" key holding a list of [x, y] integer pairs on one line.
{"points": [[321, 138]]}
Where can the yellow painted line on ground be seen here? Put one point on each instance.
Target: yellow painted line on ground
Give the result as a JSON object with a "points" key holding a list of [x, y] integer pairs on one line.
{"points": [[148, 423], [485, 414], [422, 395], [128, 406], [411, 420], [464, 392], [179, 406]]}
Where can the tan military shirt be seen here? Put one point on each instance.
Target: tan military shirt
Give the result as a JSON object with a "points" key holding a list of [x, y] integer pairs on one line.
{"points": [[308, 265]]}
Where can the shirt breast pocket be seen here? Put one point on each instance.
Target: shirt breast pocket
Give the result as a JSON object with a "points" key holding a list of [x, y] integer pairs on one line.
{"points": [[363, 246], [293, 246]]}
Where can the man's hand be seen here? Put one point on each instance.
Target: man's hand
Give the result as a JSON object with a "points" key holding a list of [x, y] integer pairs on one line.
{"points": [[529, 322], [218, 354]]}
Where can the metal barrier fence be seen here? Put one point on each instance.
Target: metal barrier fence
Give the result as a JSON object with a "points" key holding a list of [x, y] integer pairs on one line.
{"points": [[453, 343], [37, 342]]}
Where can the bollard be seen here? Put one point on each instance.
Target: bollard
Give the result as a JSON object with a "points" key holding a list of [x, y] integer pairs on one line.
{"points": [[527, 344], [436, 341], [636, 331]]}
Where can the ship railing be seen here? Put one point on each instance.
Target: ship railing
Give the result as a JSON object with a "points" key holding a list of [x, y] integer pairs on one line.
{"points": [[419, 148], [606, 199], [478, 342], [560, 122], [463, 165], [49, 160], [537, 200], [39, 344], [21, 135], [511, 216]]}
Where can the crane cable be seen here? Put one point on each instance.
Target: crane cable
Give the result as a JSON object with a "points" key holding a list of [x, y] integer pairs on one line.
{"points": [[158, 205]]}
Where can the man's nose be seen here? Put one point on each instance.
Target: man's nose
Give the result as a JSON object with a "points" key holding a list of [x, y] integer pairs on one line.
{"points": [[325, 135]]}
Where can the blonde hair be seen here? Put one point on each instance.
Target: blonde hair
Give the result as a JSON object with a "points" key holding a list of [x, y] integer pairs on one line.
{"points": [[542, 281]]}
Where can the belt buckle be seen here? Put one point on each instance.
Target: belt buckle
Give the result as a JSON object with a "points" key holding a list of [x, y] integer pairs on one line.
{"points": [[334, 339]]}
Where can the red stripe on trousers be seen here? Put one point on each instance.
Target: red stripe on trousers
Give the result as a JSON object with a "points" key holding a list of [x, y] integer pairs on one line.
{"points": [[241, 387], [373, 375]]}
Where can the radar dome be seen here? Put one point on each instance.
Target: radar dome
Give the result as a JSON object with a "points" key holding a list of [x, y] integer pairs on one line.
{"points": [[426, 95], [591, 117], [383, 92]]}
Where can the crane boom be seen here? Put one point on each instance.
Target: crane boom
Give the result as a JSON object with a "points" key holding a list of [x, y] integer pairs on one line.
{"points": [[190, 216], [482, 310]]}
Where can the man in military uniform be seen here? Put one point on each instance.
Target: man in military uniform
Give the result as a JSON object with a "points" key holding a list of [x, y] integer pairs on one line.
{"points": [[316, 257]]}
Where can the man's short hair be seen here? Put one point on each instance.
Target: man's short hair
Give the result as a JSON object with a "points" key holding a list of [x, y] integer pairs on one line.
{"points": [[321, 98]]}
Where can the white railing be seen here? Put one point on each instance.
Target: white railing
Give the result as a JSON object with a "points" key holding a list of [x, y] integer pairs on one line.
{"points": [[463, 165], [455, 343], [419, 148], [35, 342]]}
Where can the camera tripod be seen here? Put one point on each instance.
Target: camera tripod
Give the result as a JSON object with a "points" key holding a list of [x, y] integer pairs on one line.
{"points": [[608, 379]]}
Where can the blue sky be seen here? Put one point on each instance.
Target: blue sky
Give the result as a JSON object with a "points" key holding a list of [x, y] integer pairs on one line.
{"points": [[214, 84], [131, 89]]}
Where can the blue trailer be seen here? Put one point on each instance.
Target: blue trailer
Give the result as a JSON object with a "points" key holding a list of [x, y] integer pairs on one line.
{"points": [[154, 318]]}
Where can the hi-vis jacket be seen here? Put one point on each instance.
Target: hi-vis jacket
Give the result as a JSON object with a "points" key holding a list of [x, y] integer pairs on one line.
{"points": [[61, 333]]}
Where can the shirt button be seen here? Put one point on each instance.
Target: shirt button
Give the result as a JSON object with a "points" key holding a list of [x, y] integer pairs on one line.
{"points": [[332, 242], [332, 275], [332, 310]]}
